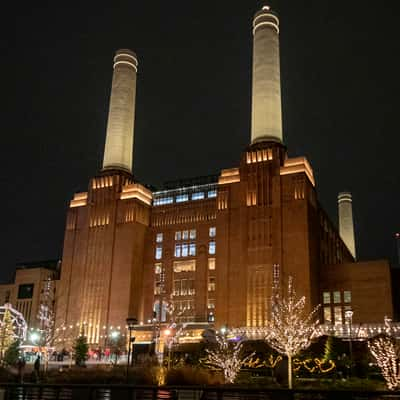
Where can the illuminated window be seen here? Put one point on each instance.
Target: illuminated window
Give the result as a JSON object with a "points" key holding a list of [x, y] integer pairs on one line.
{"points": [[211, 264], [211, 284], [177, 252], [185, 249], [190, 287], [178, 235], [184, 287], [338, 315], [158, 268], [211, 303], [157, 288], [211, 194], [158, 252], [211, 247], [176, 288], [212, 231], [182, 198], [163, 200], [198, 196], [185, 235], [159, 237], [347, 296], [184, 266], [336, 297], [192, 249], [327, 297], [327, 315], [192, 234]]}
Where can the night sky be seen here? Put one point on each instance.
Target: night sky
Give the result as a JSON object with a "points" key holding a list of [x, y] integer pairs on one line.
{"points": [[340, 67]]}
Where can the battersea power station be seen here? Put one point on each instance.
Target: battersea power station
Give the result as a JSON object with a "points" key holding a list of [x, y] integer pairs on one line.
{"points": [[206, 252]]}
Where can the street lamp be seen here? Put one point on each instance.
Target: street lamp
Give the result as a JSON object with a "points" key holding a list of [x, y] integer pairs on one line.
{"points": [[348, 315], [167, 333], [130, 322]]}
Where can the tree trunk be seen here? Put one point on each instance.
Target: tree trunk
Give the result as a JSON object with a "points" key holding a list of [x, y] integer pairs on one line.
{"points": [[290, 372]]}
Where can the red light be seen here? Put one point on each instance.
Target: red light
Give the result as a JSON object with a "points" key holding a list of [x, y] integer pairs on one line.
{"points": [[398, 235]]}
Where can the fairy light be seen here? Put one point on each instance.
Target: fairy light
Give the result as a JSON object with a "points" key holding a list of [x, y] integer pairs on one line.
{"points": [[387, 355], [227, 357], [290, 329], [13, 321]]}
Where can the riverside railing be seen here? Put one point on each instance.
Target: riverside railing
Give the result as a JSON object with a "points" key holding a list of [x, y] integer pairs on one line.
{"points": [[10, 391]]}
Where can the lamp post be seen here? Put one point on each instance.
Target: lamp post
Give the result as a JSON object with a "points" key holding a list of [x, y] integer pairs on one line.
{"points": [[167, 333], [348, 315], [130, 322]]}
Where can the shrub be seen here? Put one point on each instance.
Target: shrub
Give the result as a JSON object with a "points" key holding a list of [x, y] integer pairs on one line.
{"points": [[188, 375]]}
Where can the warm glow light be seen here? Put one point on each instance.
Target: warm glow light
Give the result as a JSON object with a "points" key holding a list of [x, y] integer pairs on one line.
{"points": [[79, 200], [167, 332], [34, 337], [265, 23], [114, 334], [298, 165], [229, 176], [126, 63], [135, 191]]}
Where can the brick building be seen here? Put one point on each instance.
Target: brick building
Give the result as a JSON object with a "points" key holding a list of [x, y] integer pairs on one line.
{"points": [[207, 250]]}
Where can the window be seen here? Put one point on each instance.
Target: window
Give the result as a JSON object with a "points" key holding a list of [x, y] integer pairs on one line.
{"points": [[185, 235], [211, 303], [178, 235], [25, 291], [192, 249], [327, 315], [190, 287], [159, 237], [211, 264], [182, 198], [185, 266], [176, 288], [198, 196], [336, 297], [347, 296], [158, 268], [212, 231], [327, 297], [163, 200], [211, 247], [338, 315], [212, 193], [184, 287], [177, 250], [185, 249], [157, 288], [158, 252], [211, 284], [192, 234]]}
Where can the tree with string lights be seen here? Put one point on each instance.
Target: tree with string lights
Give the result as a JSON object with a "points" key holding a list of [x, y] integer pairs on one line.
{"points": [[47, 333], [7, 336], [386, 352], [227, 357], [290, 328]]}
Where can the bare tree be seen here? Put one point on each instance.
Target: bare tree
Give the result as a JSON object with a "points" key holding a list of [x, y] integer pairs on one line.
{"points": [[290, 328], [386, 351], [228, 357]]}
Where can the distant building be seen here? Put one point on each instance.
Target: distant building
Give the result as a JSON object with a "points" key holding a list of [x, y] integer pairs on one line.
{"points": [[25, 291]]}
